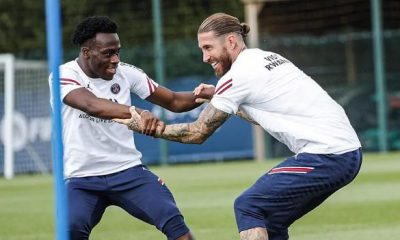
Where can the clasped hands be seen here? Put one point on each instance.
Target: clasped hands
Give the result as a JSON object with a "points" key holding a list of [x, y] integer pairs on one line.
{"points": [[145, 123], [148, 124]]}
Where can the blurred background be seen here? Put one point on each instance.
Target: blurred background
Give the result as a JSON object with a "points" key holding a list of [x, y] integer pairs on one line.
{"points": [[349, 47]]}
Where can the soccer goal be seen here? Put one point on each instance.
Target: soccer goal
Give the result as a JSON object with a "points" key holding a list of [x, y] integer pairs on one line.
{"points": [[7, 64], [26, 120]]}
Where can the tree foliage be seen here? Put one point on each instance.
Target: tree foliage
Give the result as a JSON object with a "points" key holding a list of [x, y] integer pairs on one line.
{"points": [[23, 29]]}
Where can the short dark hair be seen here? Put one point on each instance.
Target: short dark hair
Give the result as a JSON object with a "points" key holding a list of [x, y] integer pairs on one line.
{"points": [[89, 27]]}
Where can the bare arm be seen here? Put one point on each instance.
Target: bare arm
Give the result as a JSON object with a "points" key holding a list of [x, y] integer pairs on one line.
{"points": [[176, 101], [89, 103], [240, 113], [196, 132]]}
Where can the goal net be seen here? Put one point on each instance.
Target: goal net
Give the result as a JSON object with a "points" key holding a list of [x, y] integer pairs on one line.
{"points": [[25, 117]]}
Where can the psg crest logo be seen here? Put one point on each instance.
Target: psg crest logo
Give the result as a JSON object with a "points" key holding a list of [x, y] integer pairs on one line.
{"points": [[115, 88]]}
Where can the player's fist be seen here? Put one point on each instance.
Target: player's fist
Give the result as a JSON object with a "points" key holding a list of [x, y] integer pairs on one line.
{"points": [[145, 122], [151, 124], [134, 123], [204, 92]]}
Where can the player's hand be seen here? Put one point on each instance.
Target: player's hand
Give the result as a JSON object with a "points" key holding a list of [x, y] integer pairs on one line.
{"points": [[204, 92], [145, 123], [151, 124], [134, 123]]}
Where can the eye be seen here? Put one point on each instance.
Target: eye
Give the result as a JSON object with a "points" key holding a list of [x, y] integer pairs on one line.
{"points": [[207, 48], [111, 52]]}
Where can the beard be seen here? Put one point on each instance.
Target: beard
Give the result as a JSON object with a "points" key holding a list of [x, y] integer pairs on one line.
{"points": [[224, 64]]}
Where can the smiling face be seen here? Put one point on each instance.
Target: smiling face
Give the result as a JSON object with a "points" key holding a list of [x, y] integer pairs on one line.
{"points": [[101, 56], [215, 52]]}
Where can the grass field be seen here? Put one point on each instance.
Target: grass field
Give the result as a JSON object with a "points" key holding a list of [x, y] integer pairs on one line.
{"points": [[368, 208]]}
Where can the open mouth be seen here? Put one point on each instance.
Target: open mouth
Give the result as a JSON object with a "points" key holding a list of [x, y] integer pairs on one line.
{"points": [[214, 65], [112, 70]]}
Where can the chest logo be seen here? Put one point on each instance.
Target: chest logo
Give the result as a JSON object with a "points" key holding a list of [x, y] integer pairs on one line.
{"points": [[115, 88]]}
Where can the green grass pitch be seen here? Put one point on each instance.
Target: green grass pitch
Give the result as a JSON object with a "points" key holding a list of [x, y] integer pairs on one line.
{"points": [[368, 208]]}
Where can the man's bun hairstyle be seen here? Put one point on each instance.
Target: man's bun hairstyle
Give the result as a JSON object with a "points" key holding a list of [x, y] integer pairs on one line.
{"points": [[222, 23], [90, 26]]}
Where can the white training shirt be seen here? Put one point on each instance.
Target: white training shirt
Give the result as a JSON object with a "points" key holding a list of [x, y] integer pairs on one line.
{"points": [[286, 102], [94, 146]]}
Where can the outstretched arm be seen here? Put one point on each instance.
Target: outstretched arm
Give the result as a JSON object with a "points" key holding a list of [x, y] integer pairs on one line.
{"points": [[178, 101], [196, 132], [89, 103]]}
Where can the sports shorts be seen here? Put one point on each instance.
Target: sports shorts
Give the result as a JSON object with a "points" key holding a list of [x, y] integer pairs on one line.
{"points": [[292, 189], [136, 190]]}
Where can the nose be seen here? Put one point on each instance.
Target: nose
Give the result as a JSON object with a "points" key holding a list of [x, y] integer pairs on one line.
{"points": [[206, 57], [115, 58]]}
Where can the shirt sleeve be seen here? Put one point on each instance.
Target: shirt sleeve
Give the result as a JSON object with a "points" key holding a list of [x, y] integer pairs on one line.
{"points": [[141, 84], [69, 80], [230, 92]]}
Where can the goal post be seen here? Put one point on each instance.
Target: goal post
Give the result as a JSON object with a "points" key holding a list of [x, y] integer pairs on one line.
{"points": [[25, 117], [8, 60]]}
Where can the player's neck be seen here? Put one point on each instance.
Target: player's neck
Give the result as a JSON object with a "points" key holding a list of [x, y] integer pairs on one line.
{"points": [[84, 67], [236, 53]]}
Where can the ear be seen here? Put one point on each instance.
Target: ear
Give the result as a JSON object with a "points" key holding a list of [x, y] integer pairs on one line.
{"points": [[85, 52], [231, 41]]}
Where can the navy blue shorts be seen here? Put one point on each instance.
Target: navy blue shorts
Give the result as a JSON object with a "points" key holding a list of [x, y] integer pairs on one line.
{"points": [[136, 190], [292, 189]]}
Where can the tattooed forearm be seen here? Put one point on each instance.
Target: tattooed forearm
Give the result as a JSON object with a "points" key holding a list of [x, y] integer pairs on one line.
{"points": [[183, 132], [197, 132], [242, 114], [254, 234]]}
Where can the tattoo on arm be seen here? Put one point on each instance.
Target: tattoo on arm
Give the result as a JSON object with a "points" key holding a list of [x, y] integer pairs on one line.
{"points": [[257, 233], [243, 115], [197, 132]]}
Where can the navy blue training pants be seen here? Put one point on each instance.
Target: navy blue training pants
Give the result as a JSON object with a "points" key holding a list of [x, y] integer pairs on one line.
{"points": [[292, 189], [136, 190]]}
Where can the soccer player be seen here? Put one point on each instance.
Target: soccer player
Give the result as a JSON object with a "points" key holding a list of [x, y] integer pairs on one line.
{"points": [[267, 89], [102, 165]]}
